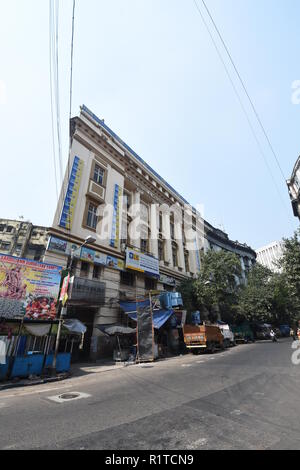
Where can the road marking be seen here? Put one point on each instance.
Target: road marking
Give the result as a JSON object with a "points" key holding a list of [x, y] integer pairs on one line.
{"points": [[236, 412], [186, 365], [195, 445], [200, 362]]}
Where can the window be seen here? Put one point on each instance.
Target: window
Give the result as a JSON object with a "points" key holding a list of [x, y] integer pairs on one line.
{"points": [[98, 175], [186, 261], [2, 227], [172, 231], [127, 278], [150, 284], [92, 218], [19, 248], [160, 222], [9, 229], [84, 271], [96, 272], [144, 246], [160, 250], [174, 255], [5, 246]]}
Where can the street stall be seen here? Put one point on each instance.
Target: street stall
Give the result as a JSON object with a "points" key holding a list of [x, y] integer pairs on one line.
{"points": [[28, 302], [156, 336], [124, 341]]}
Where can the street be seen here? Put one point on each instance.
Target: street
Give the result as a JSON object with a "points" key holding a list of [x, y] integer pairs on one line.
{"points": [[243, 398]]}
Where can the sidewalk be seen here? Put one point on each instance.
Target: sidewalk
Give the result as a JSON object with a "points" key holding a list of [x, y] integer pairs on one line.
{"points": [[78, 370]]}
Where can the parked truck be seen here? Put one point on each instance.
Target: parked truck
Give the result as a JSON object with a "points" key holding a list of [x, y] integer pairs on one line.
{"points": [[203, 337]]}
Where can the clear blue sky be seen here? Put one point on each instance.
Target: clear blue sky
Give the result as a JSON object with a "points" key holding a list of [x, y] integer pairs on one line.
{"points": [[148, 67]]}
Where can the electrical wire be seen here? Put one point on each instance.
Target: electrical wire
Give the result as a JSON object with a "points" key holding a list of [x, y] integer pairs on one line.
{"points": [[243, 108], [51, 94], [246, 91]]}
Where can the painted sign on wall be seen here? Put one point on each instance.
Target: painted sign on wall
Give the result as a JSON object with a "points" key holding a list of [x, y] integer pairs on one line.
{"points": [[28, 289], [142, 262], [116, 222], [67, 216]]}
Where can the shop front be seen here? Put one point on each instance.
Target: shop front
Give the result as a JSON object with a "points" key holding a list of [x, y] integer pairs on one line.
{"points": [[85, 297]]}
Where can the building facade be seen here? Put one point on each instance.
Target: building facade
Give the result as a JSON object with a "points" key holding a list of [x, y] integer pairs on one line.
{"points": [[23, 239], [147, 237], [294, 189], [269, 256]]}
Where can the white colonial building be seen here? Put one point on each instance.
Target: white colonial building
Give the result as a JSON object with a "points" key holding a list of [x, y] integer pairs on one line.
{"points": [[147, 237]]}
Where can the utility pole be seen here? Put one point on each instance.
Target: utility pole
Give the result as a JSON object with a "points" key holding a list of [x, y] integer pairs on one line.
{"points": [[62, 309]]}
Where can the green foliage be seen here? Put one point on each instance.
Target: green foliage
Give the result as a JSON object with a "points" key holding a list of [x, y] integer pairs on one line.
{"points": [[290, 265], [266, 297], [188, 292], [217, 285], [255, 299]]}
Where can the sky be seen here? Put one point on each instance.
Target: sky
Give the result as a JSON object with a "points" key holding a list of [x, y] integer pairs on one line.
{"points": [[149, 68]]}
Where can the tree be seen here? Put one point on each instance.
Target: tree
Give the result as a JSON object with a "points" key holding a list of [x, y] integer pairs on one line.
{"points": [[188, 292], [217, 284], [255, 298], [290, 266]]}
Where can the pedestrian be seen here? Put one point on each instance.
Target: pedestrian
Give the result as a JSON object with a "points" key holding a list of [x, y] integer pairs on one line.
{"points": [[273, 336]]}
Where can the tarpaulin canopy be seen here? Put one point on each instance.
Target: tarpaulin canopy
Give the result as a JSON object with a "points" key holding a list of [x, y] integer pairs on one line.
{"points": [[160, 317], [131, 307], [112, 330], [75, 326]]}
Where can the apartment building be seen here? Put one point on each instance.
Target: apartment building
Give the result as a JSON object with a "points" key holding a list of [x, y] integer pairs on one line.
{"points": [[269, 256], [23, 239]]}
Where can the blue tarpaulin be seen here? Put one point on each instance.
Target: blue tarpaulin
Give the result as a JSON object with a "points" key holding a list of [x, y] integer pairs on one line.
{"points": [[160, 317], [131, 307]]}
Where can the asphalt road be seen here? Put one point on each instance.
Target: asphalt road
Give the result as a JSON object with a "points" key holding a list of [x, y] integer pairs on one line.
{"points": [[244, 398]]}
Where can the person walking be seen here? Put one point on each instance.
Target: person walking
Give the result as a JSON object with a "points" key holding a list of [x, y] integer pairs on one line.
{"points": [[273, 336]]}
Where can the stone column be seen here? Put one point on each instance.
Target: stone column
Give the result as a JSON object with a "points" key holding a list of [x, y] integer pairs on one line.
{"points": [[154, 230], [134, 227], [178, 237], [167, 237]]}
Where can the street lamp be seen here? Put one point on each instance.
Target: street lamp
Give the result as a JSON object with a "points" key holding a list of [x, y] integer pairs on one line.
{"points": [[88, 241]]}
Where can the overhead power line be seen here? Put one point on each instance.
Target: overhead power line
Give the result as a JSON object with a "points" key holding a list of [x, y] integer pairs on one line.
{"points": [[245, 89], [243, 108]]}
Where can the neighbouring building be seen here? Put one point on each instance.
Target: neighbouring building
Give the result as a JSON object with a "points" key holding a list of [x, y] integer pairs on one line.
{"points": [[269, 255], [294, 189], [23, 239], [147, 236]]}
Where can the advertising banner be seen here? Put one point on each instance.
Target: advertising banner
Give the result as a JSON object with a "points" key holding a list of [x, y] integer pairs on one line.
{"points": [[66, 220], [56, 245], [28, 289], [142, 262]]}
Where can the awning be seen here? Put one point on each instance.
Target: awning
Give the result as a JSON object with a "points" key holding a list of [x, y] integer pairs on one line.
{"points": [[160, 317], [75, 326], [113, 330], [131, 307]]}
